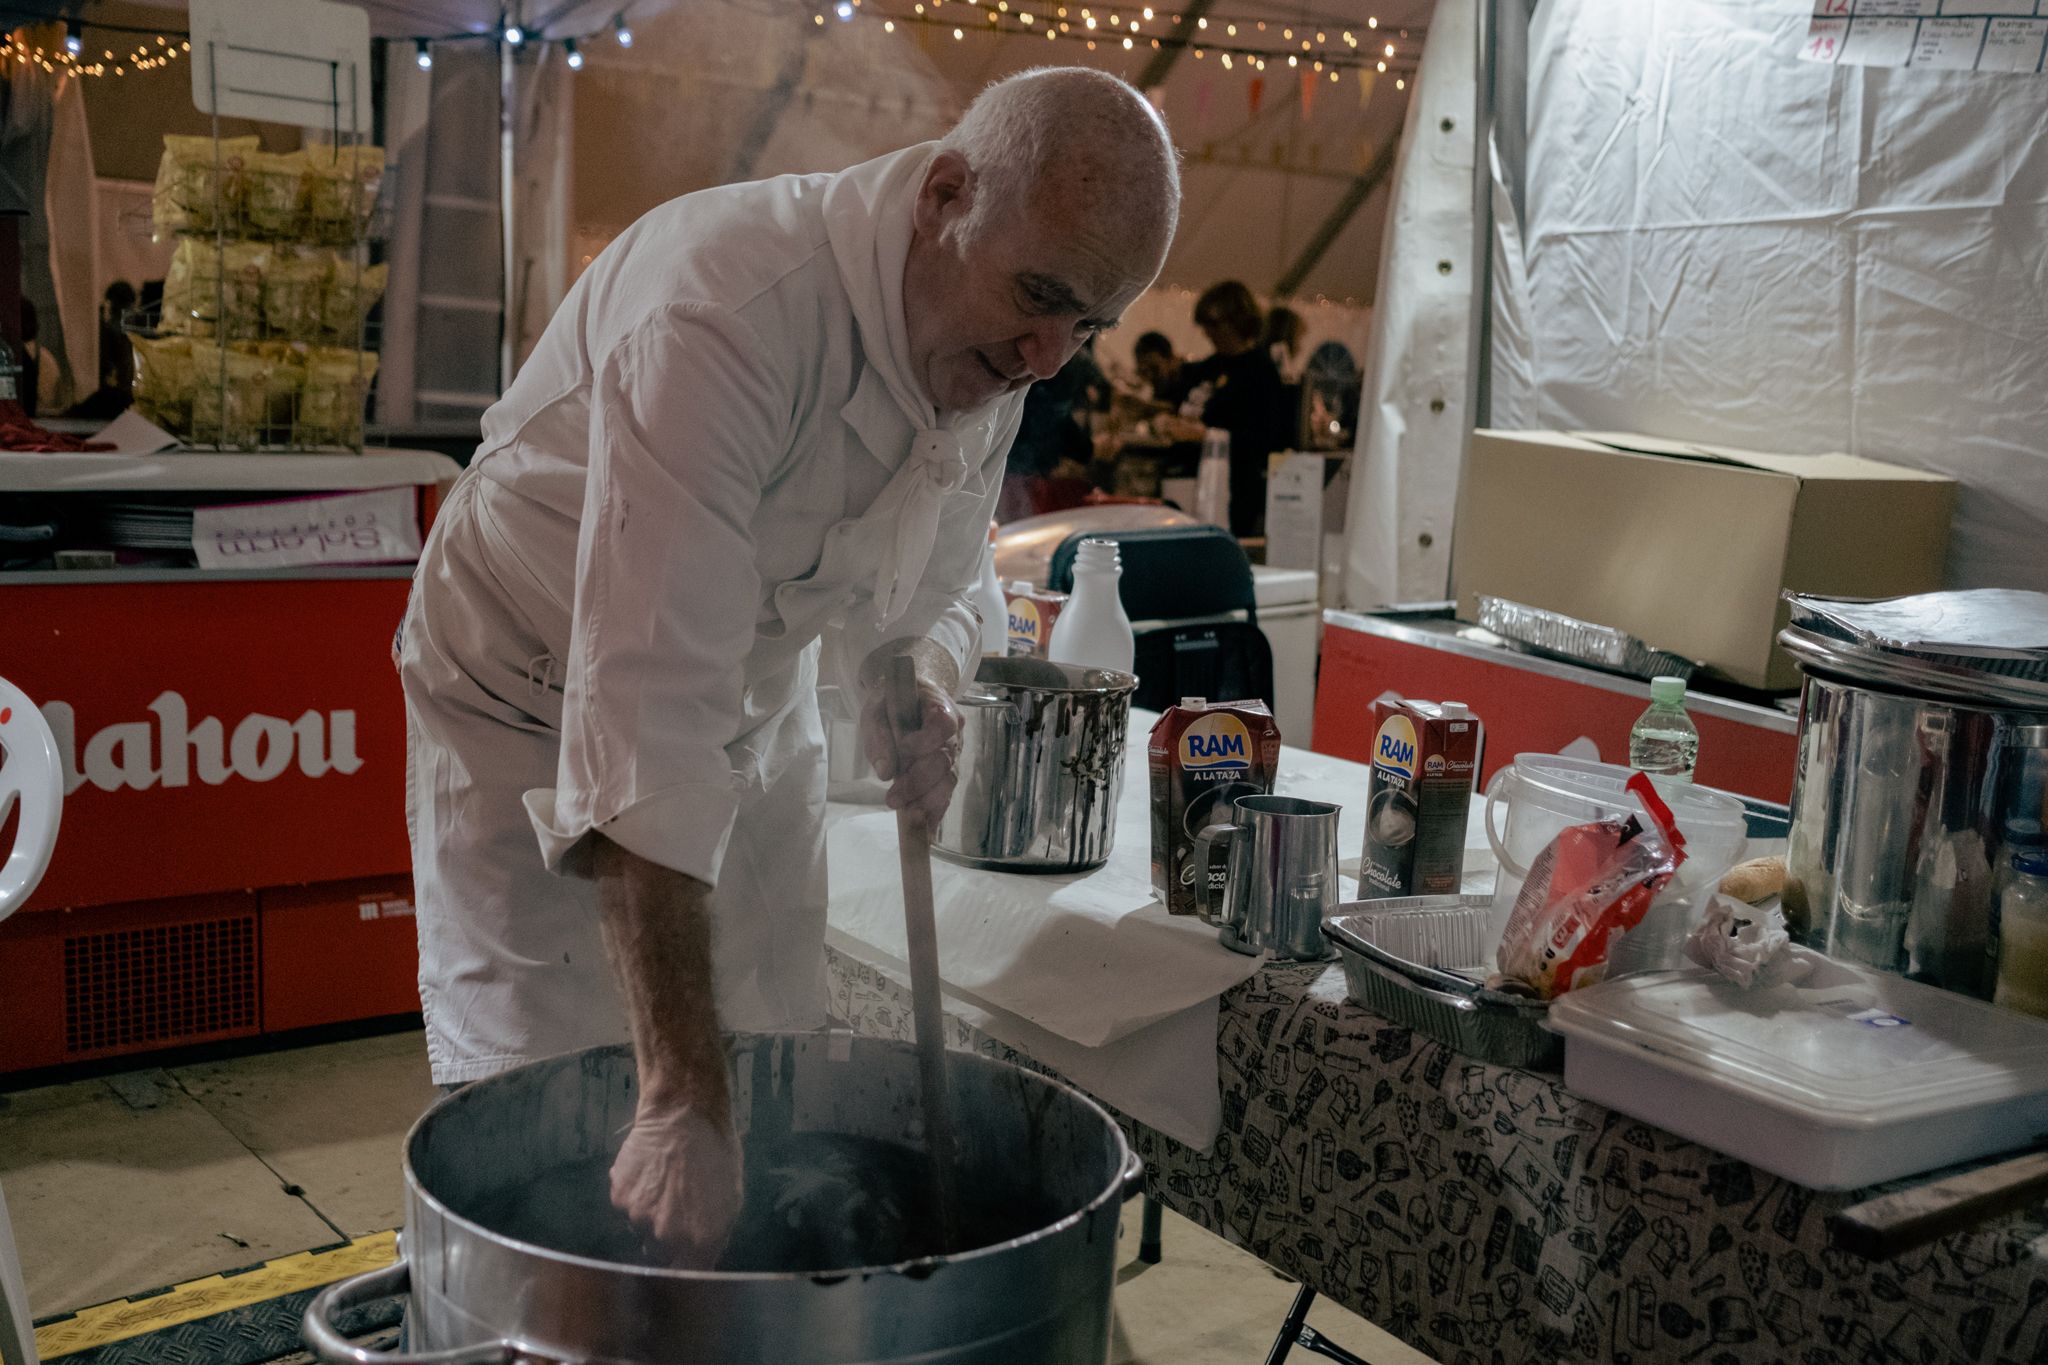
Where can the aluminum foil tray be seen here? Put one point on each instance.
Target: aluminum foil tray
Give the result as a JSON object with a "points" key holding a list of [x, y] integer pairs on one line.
{"points": [[1420, 961], [1580, 642]]}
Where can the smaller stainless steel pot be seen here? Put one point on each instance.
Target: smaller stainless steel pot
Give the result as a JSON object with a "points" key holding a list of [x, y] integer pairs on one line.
{"points": [[1282, 876], [1041, 767]]}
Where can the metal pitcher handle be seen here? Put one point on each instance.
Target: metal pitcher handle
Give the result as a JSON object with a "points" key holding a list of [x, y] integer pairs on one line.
{"points": [[317, 1330], [1205, 850]]}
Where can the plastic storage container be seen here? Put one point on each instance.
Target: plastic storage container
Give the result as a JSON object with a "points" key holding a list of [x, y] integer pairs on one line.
{"points": [[1536, 797], [1852, 1078]]}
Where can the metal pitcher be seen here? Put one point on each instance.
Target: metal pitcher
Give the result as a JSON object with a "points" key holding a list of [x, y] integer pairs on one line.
{"points": [[1281, 877], [1041, 767]]}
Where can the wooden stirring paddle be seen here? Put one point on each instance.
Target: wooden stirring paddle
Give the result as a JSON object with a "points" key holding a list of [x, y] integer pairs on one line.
{"points": [[927, 1009]]}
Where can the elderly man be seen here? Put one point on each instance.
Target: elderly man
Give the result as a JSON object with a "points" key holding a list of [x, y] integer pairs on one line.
{"points": [[770, 417]]}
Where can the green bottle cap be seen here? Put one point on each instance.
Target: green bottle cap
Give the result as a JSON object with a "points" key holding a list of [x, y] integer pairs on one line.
{"points": [[1668, 691]]}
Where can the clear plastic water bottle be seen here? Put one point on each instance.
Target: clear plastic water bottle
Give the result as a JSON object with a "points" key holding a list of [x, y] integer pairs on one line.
{"points": [[1664, 742], [1094, 631]]}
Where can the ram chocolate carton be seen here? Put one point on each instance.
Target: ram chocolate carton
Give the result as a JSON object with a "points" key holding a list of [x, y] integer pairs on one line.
{"points": [[1032, 613], [1424, 755], [1203, 756]]}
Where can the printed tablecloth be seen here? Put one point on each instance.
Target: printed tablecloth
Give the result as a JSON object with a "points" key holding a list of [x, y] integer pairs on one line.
{"points": [[1488, 1217]]}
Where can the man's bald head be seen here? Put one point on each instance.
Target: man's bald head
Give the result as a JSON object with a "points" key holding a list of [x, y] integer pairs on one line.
{"points": [[1073, 142], [1042, 216]]}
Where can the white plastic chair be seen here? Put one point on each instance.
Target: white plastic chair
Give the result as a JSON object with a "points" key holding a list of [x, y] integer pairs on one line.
{"points": [[31, 776]]}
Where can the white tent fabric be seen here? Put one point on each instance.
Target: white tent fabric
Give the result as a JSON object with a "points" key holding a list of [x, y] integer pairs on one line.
{"points": [[1730, 245], [1404, 481]]}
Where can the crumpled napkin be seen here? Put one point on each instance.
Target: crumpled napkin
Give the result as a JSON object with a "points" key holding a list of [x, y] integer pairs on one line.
{"points": [[1748, 945]]}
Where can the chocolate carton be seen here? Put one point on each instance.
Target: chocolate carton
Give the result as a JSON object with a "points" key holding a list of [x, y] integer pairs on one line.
{"points": [[1424, 755], [1203, 756]]}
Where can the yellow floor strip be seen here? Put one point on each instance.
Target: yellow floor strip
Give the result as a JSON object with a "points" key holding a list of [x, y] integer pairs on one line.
{"points": [[125, 1318]]}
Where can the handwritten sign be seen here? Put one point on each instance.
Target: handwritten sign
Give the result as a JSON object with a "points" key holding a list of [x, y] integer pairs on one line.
{"points": [[376, 526], [2006, 36]]}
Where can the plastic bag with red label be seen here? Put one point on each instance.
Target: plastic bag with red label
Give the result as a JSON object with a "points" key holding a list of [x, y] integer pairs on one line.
{"points": [[1590, 886]]}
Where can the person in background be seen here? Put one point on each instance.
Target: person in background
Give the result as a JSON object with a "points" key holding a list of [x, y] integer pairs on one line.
{"points": [[1284, 336], [1159, 366], [1053, 436], [117, 360], [31, 360], [1332, 380], [1239, 390]]}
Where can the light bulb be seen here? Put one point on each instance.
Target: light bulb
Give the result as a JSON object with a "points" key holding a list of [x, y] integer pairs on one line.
{"points": [[844, 9], [423, 55], [74, 38], [514, 34], [621, 32], [575, 54]]}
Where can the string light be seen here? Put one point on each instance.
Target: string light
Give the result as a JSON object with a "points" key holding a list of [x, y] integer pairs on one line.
{"points": [[621, 31], [888, 26], [514, 35], [74, 36], [1390, 49], [422, 55], [575, 55], [844, 9], [67, 58], [1400, 85]]}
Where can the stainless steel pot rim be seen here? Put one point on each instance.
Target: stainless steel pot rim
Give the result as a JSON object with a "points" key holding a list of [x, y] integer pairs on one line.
{"points": [[915, 1268], [1114, 683], [1909, 676]]}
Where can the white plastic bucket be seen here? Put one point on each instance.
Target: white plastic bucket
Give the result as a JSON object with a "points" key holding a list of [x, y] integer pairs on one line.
{"points": [[1545, 794]]}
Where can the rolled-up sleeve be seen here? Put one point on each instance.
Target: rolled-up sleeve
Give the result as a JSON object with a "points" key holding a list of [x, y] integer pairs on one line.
{"points": [[687, 416]]}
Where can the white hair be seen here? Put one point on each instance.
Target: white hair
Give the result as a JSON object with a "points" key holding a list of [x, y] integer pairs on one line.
{"points": [[1069, 130]]}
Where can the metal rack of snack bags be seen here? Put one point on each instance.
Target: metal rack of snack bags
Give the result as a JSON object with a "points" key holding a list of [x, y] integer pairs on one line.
{"points": [[263, 339]]}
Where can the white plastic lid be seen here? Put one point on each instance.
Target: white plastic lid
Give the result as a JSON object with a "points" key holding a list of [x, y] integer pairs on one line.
{"points": [[1667, 691], [1851, 1048]]}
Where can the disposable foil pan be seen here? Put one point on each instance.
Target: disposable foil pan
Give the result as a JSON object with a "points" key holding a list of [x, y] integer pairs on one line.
{"points": [[1419, 961], [1580, 642]]}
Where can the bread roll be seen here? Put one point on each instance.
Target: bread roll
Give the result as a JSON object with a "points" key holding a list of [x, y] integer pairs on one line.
{"points": [[1756, 881]]}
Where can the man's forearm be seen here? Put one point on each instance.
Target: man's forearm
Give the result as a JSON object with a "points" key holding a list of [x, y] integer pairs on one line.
{"points": [[657, 932]]}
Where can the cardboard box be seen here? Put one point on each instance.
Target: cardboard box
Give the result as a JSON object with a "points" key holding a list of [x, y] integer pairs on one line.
{"points": [[1689, 546]]}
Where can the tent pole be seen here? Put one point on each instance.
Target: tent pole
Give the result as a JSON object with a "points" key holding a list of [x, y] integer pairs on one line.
{"points": [[1169, 52], [1360, 189]]}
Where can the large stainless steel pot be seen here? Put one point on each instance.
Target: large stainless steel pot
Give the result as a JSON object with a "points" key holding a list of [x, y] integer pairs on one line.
{"points": [[1916, 758], [1041, 767], [475, 1294]]}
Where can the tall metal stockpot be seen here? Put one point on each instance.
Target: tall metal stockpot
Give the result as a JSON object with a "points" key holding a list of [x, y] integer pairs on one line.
{"points": [[475, 1294], [1041, 767], [1921, 751]]}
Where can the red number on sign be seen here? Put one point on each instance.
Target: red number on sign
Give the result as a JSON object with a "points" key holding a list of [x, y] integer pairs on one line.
{"points": [[1836, 6], [1821, 49]]}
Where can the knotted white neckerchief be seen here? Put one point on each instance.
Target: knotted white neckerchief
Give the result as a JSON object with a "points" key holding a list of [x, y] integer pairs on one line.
{"points": [[868, 219], [937, 466]]}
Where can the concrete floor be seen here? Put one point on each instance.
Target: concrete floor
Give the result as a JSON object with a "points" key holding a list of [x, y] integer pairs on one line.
{"points": [[134, 1182]]}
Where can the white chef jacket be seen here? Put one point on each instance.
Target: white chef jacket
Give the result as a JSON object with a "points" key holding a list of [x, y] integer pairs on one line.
{"points": [[716, 456], [707, 399]]}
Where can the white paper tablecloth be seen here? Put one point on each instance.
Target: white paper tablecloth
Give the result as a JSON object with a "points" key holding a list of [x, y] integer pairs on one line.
{"points": [[1088, 974], [1089, 958]]}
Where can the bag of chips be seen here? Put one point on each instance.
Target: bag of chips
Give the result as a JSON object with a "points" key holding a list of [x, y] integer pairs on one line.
{"points": [[194, 191], [331, 402], [351, 294], [243, 268], [341, 190], [294, 289], [230, 403], [163, 381], [275, 192], [1587, 888]]}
